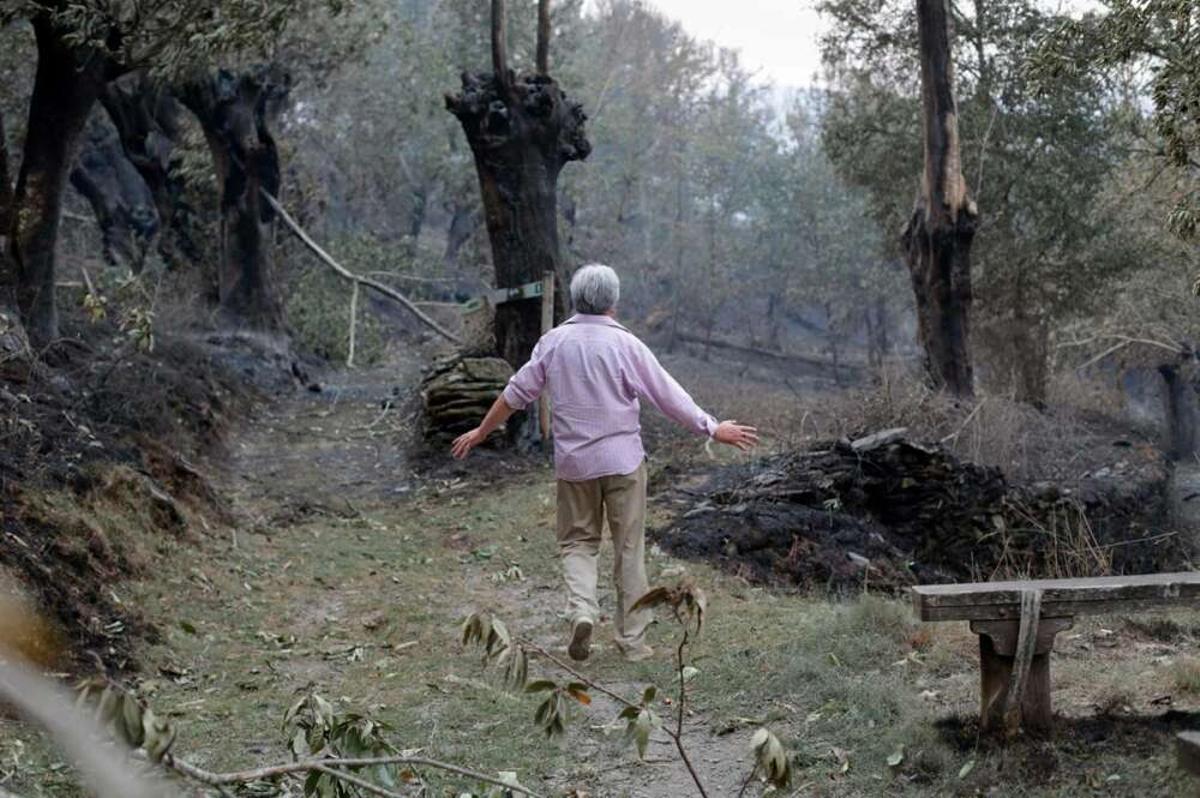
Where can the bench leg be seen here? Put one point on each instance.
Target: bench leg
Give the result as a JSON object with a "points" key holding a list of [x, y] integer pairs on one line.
{"points": [[997, 644]]}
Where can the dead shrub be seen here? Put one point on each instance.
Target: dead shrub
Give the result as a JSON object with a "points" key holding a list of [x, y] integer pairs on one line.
{"points": [[1185, 675]]}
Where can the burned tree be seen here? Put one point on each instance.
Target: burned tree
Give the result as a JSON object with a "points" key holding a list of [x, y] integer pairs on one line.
{"points": [[119, 197], [66, 86], [5, 181], [147, 118], [236, 113], [937, 237], [522, 130]]}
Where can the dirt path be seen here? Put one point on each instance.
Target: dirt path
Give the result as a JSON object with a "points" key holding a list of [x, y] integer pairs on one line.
{"points": [[311, 451], [351, 574]]}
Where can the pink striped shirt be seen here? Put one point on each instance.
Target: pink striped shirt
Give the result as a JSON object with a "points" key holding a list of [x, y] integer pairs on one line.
{"points": [[596, 370]]}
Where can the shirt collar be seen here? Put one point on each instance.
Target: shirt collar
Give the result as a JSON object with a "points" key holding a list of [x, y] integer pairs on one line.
{"points": [[595, 318]]}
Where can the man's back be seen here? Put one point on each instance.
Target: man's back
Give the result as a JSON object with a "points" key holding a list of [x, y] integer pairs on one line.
{"points": [[596, 371]]}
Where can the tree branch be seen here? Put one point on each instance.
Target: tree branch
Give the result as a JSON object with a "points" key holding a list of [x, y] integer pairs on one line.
{"points": [[379, 287], [678, 735], [543, 38], [500, 43], [329, 766], [350, 778], [45, 704], [535, 648]]}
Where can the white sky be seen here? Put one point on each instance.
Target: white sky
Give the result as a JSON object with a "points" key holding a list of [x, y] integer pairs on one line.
{"points": [[776, 37]]}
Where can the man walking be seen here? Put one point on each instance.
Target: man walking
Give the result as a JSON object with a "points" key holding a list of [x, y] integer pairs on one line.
{"points": [[596, 371]]}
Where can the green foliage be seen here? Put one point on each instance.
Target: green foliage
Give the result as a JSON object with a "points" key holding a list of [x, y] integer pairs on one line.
{"points": [[687, 603], [318, 310], [1162, 36], [317, 730], [172, 38], [1035, 155], [127, 717], [640, 724]]}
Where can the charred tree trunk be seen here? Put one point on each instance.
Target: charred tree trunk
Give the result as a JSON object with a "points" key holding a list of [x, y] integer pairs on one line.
{"points": [[236, 112], [416, 215], [6, 196], [1031, 360], [1182, 380], [146, 116], [64, 92], [119, 197], [464, 221], [522, 131], [937, 238]]}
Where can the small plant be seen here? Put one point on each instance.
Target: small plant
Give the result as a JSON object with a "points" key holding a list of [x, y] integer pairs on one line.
{"points": [[687, 604], [124, 715], [317, 731]]}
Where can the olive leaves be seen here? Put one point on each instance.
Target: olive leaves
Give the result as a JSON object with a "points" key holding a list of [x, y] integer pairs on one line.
{"points": [[770, 758], [498, 648], [501, 651], [316, 729], [641, 721], [686, 601], [126, 717], [688, 605]]}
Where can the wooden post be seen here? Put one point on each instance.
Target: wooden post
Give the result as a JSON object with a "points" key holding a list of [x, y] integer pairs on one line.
{"points": [[353, 325], [998, 644], [547, 324]]}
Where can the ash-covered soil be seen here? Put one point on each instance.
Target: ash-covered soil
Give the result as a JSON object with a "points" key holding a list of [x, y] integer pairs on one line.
{"points": [[885, 511]]}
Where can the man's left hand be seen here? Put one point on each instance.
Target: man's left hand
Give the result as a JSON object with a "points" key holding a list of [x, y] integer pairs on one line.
{"points": [[464, 443], [732, 433]]}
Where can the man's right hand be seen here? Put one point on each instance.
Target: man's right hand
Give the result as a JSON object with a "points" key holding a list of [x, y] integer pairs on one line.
{"points": [[464, 443], [732, 433]]}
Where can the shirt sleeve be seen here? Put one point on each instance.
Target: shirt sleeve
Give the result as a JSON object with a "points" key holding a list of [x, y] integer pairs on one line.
{"points": [[653, 384], [526, 385]]}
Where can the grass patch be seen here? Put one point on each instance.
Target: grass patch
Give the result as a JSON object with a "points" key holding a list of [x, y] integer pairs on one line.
{"points": [[1185, 675]]}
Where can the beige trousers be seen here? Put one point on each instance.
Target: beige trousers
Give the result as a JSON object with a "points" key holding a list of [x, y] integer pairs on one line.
{"points": [[582, 507]]}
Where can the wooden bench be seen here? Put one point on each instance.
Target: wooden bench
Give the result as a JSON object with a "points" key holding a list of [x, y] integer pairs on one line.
{"points": [[1018, 621], [1187, 750]]}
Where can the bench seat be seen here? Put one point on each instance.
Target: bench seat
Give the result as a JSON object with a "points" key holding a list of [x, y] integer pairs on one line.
{"points": [[1061, 598], [1017, 622]]}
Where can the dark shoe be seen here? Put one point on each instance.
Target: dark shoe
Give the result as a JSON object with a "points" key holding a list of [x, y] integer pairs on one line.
{"points": [[581, 639]]}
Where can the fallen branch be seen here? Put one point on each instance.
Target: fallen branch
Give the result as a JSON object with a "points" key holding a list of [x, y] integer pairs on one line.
{"points": [[330, 766], [346, 274], [810, 360], [592, 683]]}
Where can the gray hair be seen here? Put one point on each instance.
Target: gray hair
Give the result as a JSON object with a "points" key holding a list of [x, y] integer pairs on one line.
{"points": [[595, 289]]}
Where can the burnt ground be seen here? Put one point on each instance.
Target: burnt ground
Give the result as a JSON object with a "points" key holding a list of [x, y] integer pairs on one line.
{"points": [[837, 515], [99, 471]]}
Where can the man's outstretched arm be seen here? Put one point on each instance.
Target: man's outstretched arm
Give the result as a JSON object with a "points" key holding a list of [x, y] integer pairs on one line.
{"points": [[522, 390], [655, 384], [497, 414]]}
